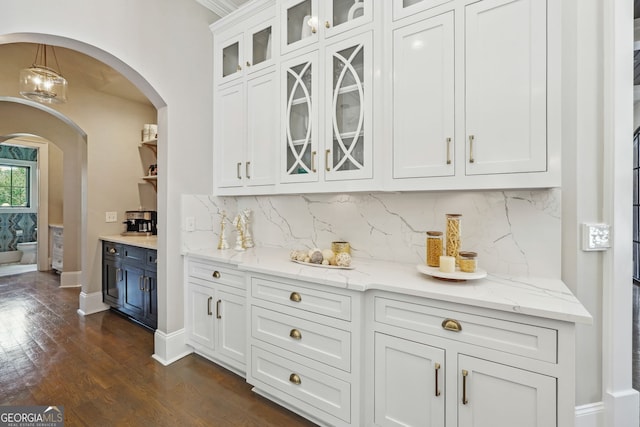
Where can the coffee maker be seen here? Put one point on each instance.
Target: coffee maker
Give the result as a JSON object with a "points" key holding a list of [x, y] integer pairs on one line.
{"points": [[140, 223]]}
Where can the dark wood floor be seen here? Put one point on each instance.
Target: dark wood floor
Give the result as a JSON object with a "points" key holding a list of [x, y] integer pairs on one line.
{"points": [[636, 337], [100, 369]]}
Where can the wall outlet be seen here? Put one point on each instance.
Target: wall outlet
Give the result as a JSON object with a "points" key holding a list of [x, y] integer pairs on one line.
{"points": [[190, 223], [595, 237], [111, 216]]}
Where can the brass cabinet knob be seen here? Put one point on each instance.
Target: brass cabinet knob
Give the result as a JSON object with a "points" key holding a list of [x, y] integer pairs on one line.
{"points": [[295, 378], [295, 297], [111, 250], [327, 24], [451, 325], [295, 334], [216, 274], [248, 64]]}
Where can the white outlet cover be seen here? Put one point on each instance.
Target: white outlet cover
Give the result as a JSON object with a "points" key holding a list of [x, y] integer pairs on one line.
{"points": [[111, 216], [596, 237]]}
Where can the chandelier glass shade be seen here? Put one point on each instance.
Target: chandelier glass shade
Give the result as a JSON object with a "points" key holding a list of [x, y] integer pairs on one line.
{"points": [[42, 83]]}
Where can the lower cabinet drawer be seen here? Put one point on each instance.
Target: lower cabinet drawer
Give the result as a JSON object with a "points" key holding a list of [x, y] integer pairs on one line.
{"points": [[319, 342], [310, 386], [217, 274]]}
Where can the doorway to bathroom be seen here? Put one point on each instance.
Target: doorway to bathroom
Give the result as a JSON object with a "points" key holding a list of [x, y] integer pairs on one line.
{"points": [[21, 177]]}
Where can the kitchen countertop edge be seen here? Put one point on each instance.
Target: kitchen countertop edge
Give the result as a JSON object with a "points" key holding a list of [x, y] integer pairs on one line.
{"points": [[147, 242], [541, 297]]}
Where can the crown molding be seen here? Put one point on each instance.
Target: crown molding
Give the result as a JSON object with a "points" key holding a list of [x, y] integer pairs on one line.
{"points": [[219, 7]]}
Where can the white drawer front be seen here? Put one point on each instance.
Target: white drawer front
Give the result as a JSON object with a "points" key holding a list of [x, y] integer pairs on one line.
{"points": [[322, 391], [316, 341], [511, 337], [215, 273], [312, 300]]}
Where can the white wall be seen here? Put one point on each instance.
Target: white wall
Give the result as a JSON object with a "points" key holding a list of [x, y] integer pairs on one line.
{"points": [[166, 47]]}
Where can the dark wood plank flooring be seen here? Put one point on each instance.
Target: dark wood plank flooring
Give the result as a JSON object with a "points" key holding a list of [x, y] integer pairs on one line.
{"points": [[636, 338], [99, 367]]}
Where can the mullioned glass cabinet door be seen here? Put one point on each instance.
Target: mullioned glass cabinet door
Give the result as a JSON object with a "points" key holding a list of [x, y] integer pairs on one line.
{"points": [[348, 150], [300, 133]]}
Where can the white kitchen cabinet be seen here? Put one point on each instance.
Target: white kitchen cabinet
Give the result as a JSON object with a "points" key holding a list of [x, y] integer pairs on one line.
{"points": [[305, 348], [216, 314], [246, 49], [409, 383], [341, 147], [305, 22], [245, 104], [424, 98], [497, 395], [436, 365], [506, 86]]}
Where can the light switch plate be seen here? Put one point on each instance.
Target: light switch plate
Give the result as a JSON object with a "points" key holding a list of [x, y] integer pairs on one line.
{"points": [[595, 237], [190, 223], [111, 216]]}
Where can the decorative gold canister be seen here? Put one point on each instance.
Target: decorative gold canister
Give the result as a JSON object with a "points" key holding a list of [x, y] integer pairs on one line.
{"points": [[453, 235], [434, 248], [338, 247]]}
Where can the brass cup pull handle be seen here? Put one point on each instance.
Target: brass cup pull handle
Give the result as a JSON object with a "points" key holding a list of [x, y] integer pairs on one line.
{"points": [[209, 306], [451, 325], [437, 366], [295, 297], [295, 334], [295, 378], [448, 151], [216, 274], [313, 161], [218, 316], [326, 160], [465, 373], [471, 140]]}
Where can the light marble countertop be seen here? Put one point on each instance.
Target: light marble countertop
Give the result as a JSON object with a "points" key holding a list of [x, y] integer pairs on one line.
{"points": [[542, 297], [147, 242]]}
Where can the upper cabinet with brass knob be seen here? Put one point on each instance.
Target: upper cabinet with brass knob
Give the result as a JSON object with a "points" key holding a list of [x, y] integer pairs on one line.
{"points": [[307, 21], [245, 49]]}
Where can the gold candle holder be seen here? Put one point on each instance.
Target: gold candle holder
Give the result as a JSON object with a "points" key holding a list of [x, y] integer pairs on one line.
{"points": [[338, 247]]}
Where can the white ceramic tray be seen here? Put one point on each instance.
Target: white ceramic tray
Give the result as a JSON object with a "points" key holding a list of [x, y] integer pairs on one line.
{"points": [[457, 275], [310, 264]]}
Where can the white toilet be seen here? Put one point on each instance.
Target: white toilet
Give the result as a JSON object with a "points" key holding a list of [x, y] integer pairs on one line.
{"points": [[29, 252]]}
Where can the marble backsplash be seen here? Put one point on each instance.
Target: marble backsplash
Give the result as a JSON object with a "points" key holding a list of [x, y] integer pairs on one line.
{"points": [[514, 232]]}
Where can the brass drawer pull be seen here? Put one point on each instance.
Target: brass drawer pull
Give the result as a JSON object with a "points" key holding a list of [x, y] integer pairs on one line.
{"points": [[437, 366], [246, 170], [451, 325], [209, 306], [218, 316], [295, 334], [448, 151], [295, 378], [465, 373], [326, 160], [471, 140], [216, 274], [295, 297], [313, 161], [238, 165]]}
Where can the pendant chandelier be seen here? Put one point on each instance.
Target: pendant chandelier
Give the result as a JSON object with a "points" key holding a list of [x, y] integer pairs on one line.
{"points": [[42, 83]]}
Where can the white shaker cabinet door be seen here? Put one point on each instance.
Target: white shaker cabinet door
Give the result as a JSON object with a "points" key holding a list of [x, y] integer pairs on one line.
{"points": [[262, 130], [229, 136], [232, 331], [423, 98], [409, 383], [495, 395], [506, 88], [200, 319]]}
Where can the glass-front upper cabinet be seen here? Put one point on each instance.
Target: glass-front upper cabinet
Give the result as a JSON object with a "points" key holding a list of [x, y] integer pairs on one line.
{"points": [[348, 150], [247, 51], [306, 21], [300, 133], [404, 8]]}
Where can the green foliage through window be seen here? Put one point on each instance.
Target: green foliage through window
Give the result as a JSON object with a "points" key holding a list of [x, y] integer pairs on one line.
{"points": [[14, 186]]}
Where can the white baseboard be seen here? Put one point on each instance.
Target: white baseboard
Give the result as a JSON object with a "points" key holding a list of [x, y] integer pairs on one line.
{"points": [[623, 408], [91, 303], [70, 279], [591, 415], [170, 347]]}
